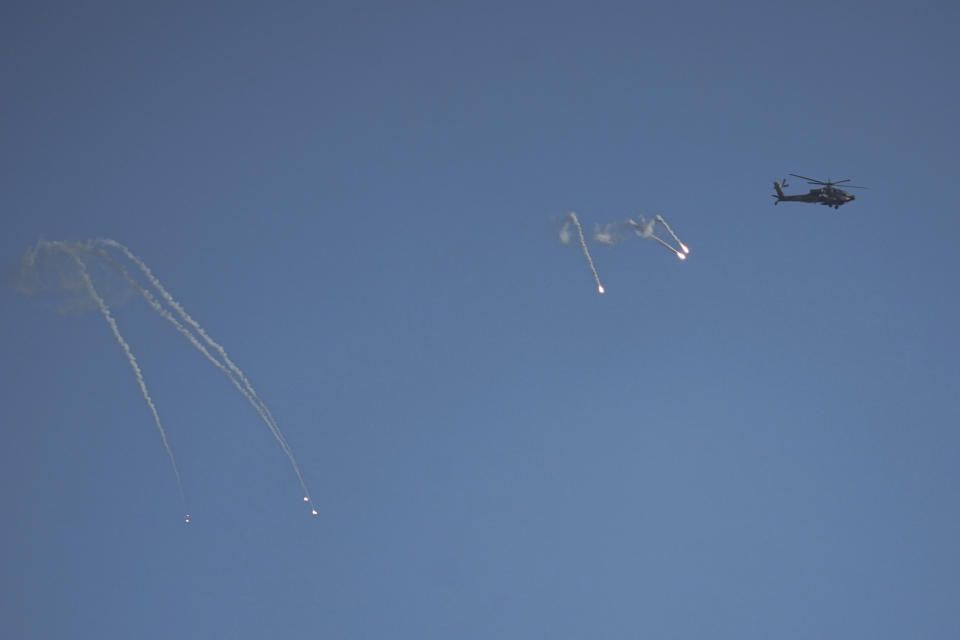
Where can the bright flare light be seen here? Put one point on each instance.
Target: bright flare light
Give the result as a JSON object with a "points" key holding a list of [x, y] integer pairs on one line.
{"points": [[684, 247], [600, 288], [681, 256]]}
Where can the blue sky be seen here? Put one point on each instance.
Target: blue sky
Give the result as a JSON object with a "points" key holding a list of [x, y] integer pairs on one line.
{"points": [[362, 204]]}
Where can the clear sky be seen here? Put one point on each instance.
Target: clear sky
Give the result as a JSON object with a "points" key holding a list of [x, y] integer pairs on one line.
{"points": [[362, 206]]}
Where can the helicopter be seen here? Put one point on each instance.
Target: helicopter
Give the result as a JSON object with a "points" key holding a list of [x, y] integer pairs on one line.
{"points": [[827, 194]]}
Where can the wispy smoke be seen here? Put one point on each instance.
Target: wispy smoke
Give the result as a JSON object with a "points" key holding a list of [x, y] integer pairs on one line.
{"points": [[607, 234]]}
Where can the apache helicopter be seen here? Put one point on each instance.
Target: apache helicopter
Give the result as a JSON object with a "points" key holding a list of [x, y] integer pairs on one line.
{"points": [[827, 194]]}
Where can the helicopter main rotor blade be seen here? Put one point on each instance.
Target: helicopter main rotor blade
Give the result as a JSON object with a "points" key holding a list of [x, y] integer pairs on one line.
{"points": [[810, 180], [828, 183]]}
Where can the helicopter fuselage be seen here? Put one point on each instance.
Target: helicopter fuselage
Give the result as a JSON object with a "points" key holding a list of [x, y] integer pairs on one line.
{"points": [[827, 196]]}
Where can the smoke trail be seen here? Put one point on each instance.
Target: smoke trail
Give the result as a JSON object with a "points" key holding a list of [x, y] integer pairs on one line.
{"points": [[77, 273], [664, 243], [645, 229], [105, 311], [586, 252], [247, 388], [164, 313], [670, 231]]}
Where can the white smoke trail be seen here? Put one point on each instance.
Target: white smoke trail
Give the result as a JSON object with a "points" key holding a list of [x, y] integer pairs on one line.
{"points": [[646, 229], [666, 244], [41, 272], [670, 231], [246, 389], [111, 321], [572, 217], [164, 313]]}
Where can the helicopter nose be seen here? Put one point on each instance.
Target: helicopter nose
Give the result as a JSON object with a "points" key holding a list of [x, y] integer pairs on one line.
{"points": [[851, 196]]}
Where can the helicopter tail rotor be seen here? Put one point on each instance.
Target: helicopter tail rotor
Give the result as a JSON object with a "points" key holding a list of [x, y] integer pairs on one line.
{"points": [[780, 194]]}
